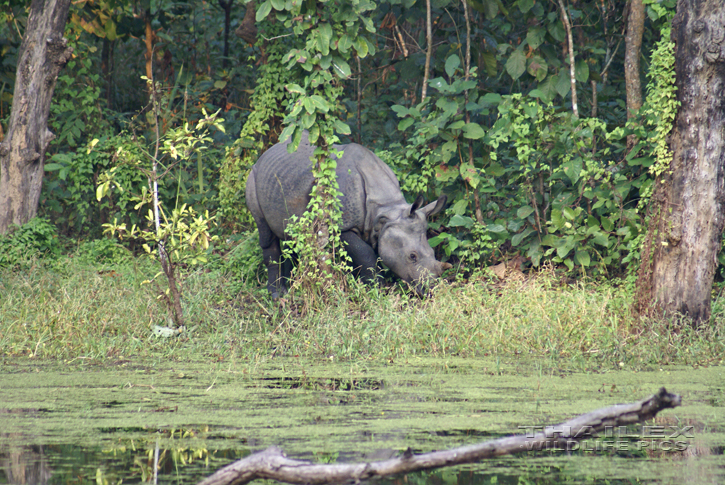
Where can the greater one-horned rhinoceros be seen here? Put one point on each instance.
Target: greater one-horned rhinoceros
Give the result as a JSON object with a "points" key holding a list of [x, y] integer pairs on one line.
{"points": [[376, 219]]}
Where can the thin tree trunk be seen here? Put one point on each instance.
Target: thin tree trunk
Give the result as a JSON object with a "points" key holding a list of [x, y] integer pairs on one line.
{"points": [[227, 7], [467, 75], [572, 61], [691, 202], [632, 54], [429, 50], [43, 53], [149, 42]]}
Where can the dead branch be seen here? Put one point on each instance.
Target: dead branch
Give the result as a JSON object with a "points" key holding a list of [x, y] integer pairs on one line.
{"points": [[273, 464]]}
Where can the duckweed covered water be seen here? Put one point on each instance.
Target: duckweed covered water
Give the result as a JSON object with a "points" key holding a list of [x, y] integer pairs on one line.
{"points": [[74, 423]]}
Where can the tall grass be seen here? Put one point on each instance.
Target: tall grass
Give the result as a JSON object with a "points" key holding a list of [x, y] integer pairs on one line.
{"points": [[78, 309]]}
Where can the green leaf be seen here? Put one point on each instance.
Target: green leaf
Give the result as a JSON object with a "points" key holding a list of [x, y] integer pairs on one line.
{"points": [[516, 240], [538, 68], [601, 239], [573, 169], [581, 70], [439, 83], [548, 89], [263, 10], [460, 221], [286, 133], [582, 257], [535, 37], [470, 174], [489, 60], [473, 131], [401, 111], [563, 84], [342, 128], [496, 170], [309, 105], [325, 30], [524, 211], [341, 68], [444, 174], [607, 224], [295, 88], [452, 63], [314, 134], [569, 213], [460, 206], [344, 44], [564, 249], [492, 99], [405, 123], [516, 64], [525, 5], [52, 167], [361, 47], [320, 103], [279, 4], [495, 228]]}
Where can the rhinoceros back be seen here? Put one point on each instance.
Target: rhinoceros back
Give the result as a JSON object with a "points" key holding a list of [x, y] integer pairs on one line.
{"points": [[283, 181]]}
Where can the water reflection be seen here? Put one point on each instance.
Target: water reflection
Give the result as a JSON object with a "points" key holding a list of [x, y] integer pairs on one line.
{"points": [[24, 465]]}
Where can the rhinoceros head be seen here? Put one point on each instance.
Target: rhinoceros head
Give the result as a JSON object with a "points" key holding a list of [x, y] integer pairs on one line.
{"points": [[403, 246]]}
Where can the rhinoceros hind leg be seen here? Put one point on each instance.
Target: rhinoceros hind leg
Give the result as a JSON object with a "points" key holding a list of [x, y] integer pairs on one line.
{"points": [[278, 270], [364, 259]]}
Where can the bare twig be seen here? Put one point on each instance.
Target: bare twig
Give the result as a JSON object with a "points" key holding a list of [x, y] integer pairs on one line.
{"points": [[403, 47], [273, 464]]}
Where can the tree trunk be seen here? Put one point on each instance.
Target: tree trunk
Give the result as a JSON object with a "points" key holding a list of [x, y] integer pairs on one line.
{"points": [[247, 30], [107, 68], [632, 53], [42, 55], [149, 41], [692, 201], [227, 7]]}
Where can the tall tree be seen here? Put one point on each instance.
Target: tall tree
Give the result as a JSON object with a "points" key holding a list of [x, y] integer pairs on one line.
{"points": [[43, 53], [690, 204], [632, 54]]}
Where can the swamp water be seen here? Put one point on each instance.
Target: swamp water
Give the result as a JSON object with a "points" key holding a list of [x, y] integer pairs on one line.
{"points": [[65, 423]]}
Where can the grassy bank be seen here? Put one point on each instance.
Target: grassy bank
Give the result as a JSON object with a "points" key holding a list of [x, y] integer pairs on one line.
{"points": [[78, 308]]}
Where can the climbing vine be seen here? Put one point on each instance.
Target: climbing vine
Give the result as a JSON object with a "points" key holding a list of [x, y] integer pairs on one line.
{"points": [[662, 103], [330, 34]]}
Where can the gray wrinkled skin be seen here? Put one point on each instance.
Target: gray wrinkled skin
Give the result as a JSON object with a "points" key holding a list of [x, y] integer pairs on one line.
{"points": [[376, 219]]}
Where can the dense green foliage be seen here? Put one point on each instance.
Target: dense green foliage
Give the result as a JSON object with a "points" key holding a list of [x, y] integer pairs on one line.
{"points": [[496, 133]]}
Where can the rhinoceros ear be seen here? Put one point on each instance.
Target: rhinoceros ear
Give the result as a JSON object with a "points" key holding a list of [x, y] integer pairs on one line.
{"points": [[435, 207], [416, 205]]}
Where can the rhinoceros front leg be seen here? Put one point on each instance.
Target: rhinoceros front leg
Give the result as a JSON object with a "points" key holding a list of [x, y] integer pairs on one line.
{"points": [[364, 259]]}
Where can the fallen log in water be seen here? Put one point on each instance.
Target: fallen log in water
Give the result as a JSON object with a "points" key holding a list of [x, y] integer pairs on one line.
{"points": [[272, 463]]}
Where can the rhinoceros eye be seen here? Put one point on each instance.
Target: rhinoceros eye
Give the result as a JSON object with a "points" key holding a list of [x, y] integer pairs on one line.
{"points": [[413, 258]]}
